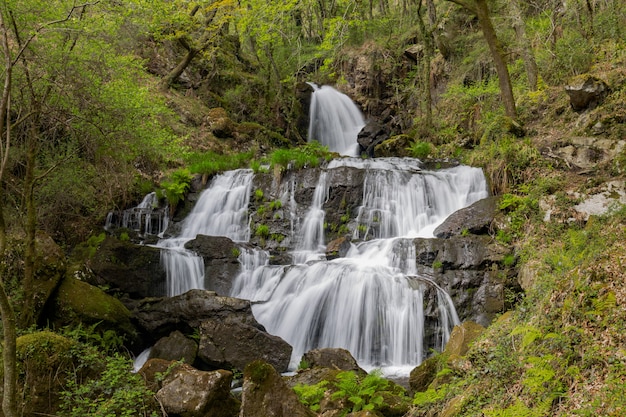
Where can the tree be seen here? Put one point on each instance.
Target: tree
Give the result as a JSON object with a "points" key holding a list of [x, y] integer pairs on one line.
{"points": [[528, 56], [481, 10]]}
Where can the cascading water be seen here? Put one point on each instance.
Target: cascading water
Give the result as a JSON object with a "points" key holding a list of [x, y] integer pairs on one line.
{"points": [[334, 120], [145, 218], [369, 302], [221, 210]]}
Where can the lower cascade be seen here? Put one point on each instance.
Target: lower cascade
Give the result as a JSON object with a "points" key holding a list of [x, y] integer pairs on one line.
{"points": [[371, 301]]}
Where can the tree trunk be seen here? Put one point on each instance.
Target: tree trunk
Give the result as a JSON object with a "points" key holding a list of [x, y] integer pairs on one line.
{"points": [[27, 311], [9, 403], [429, 52], [530, 64], [506, 90], [173, 75]]}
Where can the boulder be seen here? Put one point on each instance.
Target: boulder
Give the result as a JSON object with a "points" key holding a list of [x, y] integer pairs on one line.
{"points": [[160, 316], [231, 344], [333, 358], [192, 393], [152, 372], [127, 267], [219, 123], [230, 336], [371, 135], [394, 146], [461, 338], [423, 375], [266, 394], [221, 264], [475, 219], [175, 347], [79, 302], [587, 93]]}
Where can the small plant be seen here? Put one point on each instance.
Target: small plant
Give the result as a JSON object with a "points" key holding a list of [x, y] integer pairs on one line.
{"points": [[437, 265], [262, 231], [276, 205], [365, 394], [235, 252], [420, 149], [311, 395], [258, 194], [176, 187]]}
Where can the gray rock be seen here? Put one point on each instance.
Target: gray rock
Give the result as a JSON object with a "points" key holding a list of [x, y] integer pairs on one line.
{"points": [[133, 269], [333, 358], [266, 394], [221, 264], [231, 344], [192, 393], [587, 94], [185, 312], [175, 347], [475, 219], [371, 135]]}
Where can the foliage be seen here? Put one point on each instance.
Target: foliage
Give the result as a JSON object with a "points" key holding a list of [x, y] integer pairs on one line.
{"points": [[420, 149], [262, 231], [308, 155], [210, 163], [115, 392], [311, 395], [178, 185]]}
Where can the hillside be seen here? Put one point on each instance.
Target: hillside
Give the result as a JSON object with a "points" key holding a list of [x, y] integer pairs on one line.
{"points": [[106, 103]]}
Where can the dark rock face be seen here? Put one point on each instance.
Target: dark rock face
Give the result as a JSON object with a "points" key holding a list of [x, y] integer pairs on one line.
{"points": [[472, 270], [230, 344], [221, 265], [175, 347], [266, 394], [333, 358], [371, 135], [187, 311], [587, 94], [230, 336], [475, 219], [129, 268], [192, 393]]}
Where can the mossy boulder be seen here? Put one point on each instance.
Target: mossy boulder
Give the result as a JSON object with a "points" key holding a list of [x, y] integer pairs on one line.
{"points": [[79, 302], [461, 338], [266, 394], [394, 146], [45, 362], [424, 374]]}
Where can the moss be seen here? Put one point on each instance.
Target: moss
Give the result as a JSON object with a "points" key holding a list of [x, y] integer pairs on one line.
{"points": [[77, 297], [258, 372]]}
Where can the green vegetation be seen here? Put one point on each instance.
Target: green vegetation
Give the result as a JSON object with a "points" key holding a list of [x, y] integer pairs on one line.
{"points": [[309, 155], [177, 186]]}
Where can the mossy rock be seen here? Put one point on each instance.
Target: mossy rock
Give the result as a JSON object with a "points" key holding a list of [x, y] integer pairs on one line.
{"points": [[78, 302], [461, 338], [394, 146], [45, 361], [423, 375]]}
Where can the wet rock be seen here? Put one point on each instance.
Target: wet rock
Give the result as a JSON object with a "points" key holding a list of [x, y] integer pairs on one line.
{"points": [[221, 264], [266, 394], [333, 358], [337, 248], [475, 219], [474, 270], [587, 93], [152, 372], [230, 344], [186, 312], [127, 267], [423, 375], [175, 347], [371, 135], [192, 393]]}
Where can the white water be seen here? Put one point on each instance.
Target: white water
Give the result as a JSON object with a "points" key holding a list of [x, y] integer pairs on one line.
{"points": [[221, 210], [368, 302], [143, 218], [334, 120]]}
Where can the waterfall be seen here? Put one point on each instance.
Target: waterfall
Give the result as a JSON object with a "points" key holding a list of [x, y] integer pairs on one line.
{"points": [[370, 301], [145, 218], [221, 210], [334, 120]]}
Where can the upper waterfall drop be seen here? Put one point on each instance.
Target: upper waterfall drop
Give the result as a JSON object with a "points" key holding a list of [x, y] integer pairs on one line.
{"points": [[334, 120]]}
